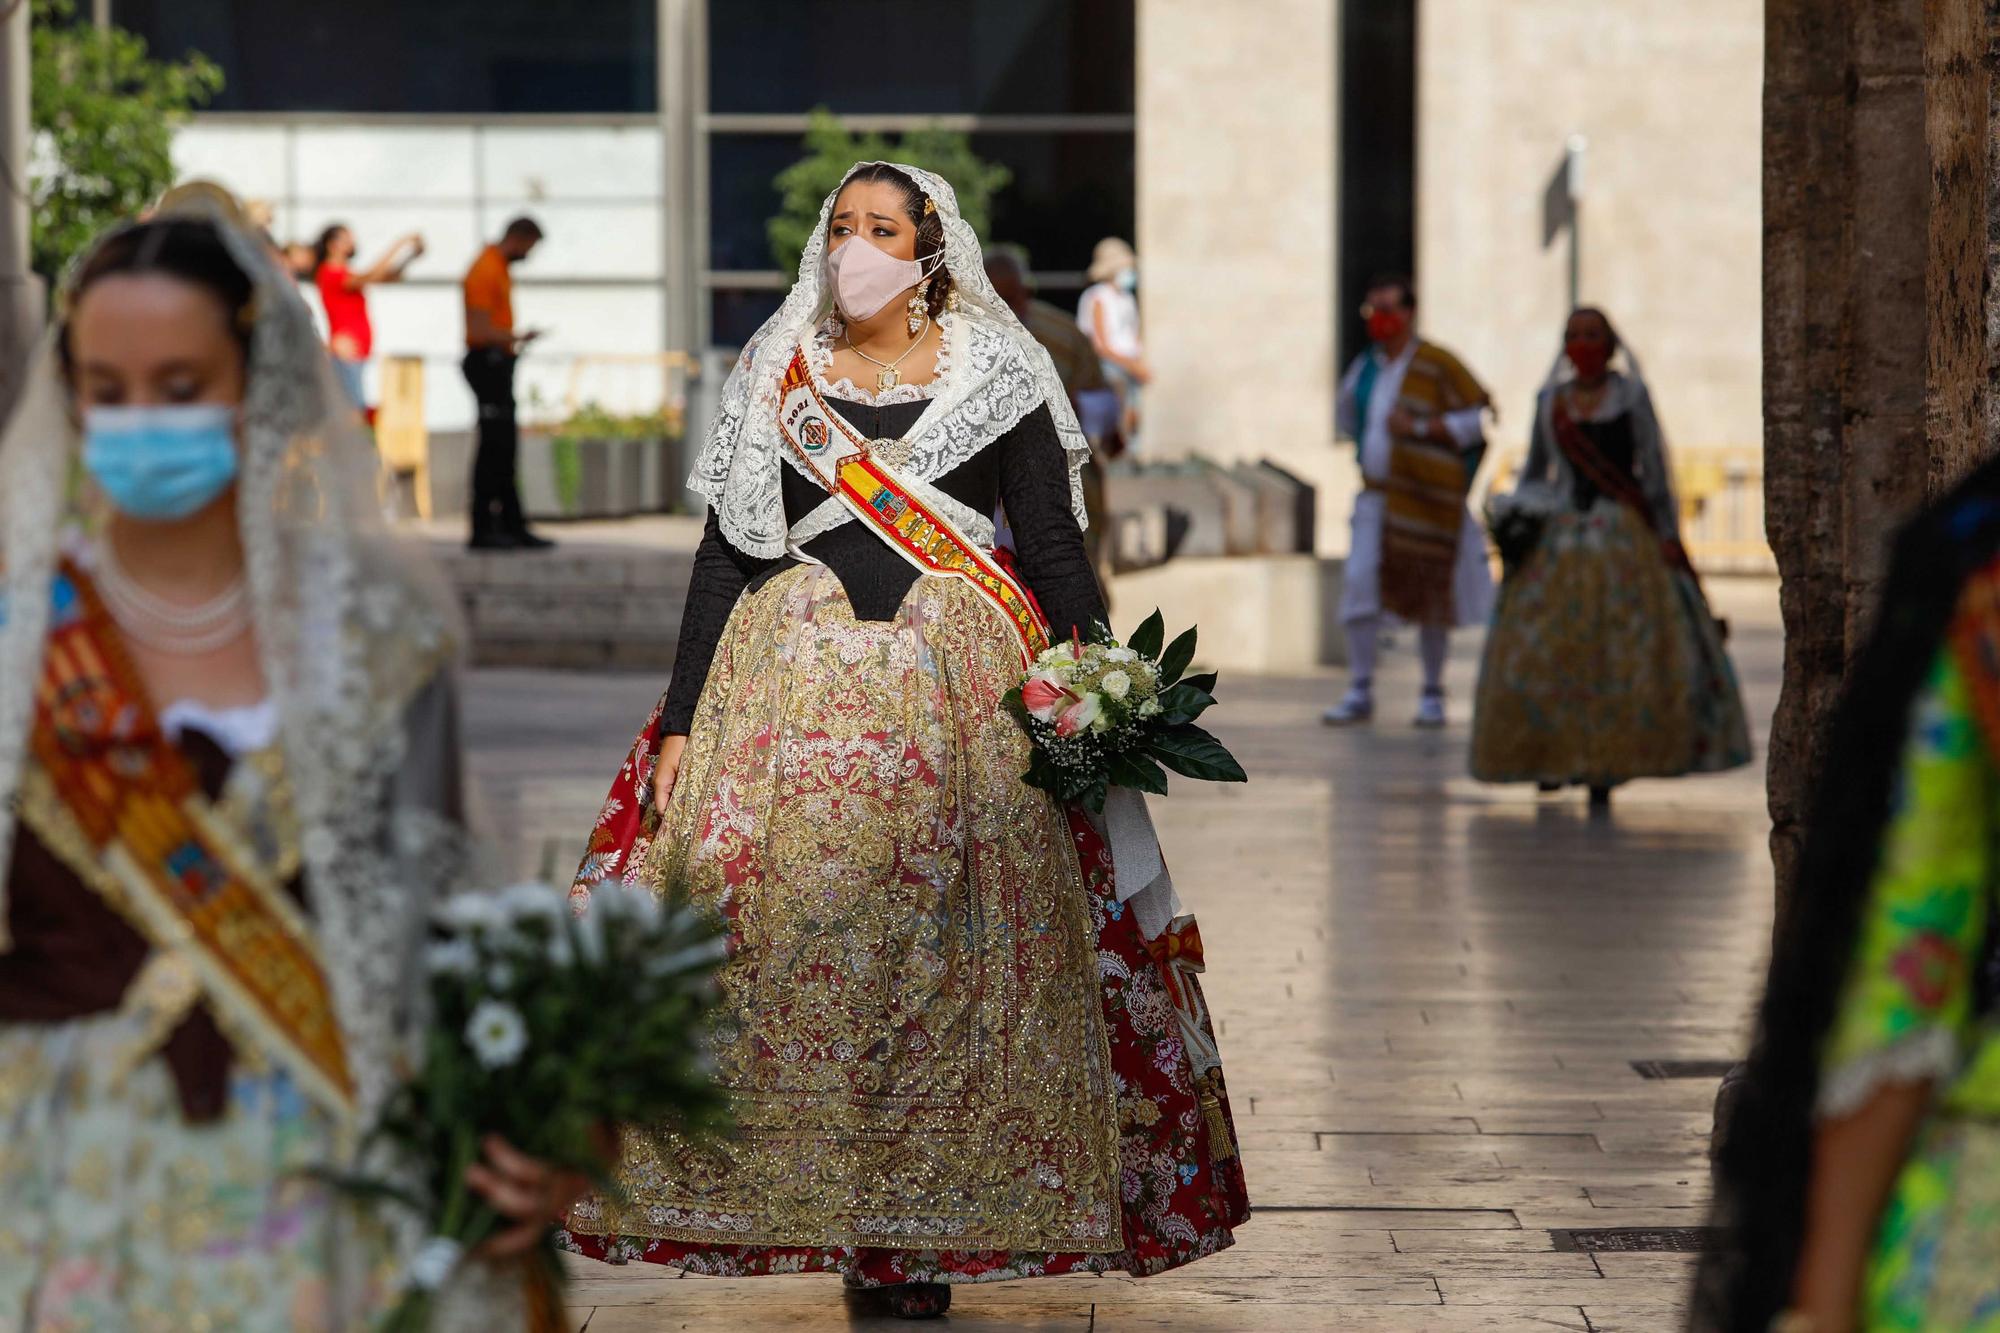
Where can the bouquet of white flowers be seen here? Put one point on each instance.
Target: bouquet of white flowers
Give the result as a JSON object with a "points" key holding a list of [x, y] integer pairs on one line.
{"points": [[1105, 714], [1517, 519], [547, 1028]]}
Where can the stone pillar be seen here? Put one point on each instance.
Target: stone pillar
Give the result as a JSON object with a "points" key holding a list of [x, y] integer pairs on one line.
{"points": [[20, 291], [1878, 328], [1236, 148]]}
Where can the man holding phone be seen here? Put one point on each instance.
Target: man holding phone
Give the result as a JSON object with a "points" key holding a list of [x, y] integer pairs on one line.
{"points": [[492, 349]]}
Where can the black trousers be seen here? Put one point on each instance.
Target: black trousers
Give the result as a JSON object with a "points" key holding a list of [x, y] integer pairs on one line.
{"points": [[496, 492]]}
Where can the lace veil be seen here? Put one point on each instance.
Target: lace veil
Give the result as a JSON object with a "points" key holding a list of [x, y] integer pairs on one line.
{"points": [[998, 374], [352, 635]]}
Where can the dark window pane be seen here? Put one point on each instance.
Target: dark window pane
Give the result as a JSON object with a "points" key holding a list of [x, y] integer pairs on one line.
{"points": [[739, 314], [741, 197], [934, 56], [413, 56], [1068, 192], [1378, 154]]}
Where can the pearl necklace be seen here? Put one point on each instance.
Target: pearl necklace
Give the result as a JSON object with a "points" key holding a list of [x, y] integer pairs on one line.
{"points": [[171, 627]]}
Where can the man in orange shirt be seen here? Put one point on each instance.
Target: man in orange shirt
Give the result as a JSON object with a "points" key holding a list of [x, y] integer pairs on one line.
{"points": [[492, 346]]}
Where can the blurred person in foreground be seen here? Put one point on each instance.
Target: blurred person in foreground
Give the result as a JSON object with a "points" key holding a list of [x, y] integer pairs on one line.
{"points": [[343, 293], [1108, 311], [832, 771], [228, 748], [1417, 417], [1858, 1177], [1603, 663], [1090, 393], [492, 352]]}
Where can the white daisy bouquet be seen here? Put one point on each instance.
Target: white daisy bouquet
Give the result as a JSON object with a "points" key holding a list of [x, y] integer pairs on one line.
{"points": [[521, 987], [1105, 714]]}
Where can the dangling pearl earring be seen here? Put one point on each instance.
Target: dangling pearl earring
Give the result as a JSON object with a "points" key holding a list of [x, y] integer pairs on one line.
{"points": [[919, 308]]}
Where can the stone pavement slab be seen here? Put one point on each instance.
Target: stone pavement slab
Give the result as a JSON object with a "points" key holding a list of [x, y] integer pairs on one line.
{"points": [[1430, 996]]}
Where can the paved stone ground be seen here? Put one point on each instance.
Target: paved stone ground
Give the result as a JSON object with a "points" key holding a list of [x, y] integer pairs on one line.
{"points": [[1429, 994]]}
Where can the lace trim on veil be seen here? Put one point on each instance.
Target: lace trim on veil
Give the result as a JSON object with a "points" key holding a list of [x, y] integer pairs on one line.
{"points": [[998, 375]]}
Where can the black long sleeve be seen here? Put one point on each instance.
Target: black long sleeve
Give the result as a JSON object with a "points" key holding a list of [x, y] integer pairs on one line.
{"points": [[1034, 485], [721, 573], [1025, 468]]}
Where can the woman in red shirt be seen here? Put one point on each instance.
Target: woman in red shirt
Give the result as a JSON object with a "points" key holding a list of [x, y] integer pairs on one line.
{"points": [[343, 291]]}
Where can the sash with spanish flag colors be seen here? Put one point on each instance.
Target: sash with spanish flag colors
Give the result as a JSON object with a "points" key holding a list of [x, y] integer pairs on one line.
{"points": [[133, 808], [852, 470]]}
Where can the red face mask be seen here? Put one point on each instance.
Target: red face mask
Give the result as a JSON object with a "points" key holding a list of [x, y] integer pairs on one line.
{"points": [[1589, 357], [1387, 325]]}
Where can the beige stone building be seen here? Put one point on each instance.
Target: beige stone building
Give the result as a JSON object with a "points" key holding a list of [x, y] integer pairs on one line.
{"points": [[1244, 158]]}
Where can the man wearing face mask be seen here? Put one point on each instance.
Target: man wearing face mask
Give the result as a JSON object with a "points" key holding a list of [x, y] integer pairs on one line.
{"points": [[1109, 312], [1417, 416]]}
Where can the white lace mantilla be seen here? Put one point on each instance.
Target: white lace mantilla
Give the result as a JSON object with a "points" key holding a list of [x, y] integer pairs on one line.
{"points": [[993, 375], [819, 357]]}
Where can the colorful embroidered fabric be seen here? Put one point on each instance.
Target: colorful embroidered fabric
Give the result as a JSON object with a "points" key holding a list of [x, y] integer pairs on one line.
{"points": [[1907, 1012], [942, 1030], [1603, 664]]}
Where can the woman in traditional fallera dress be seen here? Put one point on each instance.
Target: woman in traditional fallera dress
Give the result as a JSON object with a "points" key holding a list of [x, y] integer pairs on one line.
{"points": [[963, 1032], [1603, 663], [228, 743], [1858, 1176]]}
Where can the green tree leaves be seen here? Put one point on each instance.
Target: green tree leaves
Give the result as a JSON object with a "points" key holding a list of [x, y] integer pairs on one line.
{"points": [[104, 114], [831, 150]]}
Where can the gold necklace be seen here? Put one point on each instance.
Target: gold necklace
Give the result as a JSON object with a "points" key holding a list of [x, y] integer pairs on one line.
{"points": [[887, 377]]}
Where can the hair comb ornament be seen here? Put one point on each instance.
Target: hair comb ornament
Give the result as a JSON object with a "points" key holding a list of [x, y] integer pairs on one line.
{"points": [[930, 205]]}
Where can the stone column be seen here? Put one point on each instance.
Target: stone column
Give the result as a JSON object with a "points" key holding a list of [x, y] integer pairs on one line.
{"points": [[1236, 148], [20, 291], [1878, 324]]}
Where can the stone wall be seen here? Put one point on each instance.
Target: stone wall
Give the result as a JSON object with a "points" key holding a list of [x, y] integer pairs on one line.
{"points": [[1236, 225], [1666, 91]]}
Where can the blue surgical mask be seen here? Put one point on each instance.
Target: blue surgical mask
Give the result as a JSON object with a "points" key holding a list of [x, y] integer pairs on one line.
{"points": [[161, 463], [1128, 279]]}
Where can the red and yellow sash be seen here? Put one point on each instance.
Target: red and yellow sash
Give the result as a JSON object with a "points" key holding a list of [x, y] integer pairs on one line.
{"points": [[165, 861], [852, 471]]}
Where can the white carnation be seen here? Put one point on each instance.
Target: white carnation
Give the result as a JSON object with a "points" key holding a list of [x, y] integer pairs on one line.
{"points": [[497, 1034], [1120, 654], [434, 1262], [452, 958], [1117, 684]]}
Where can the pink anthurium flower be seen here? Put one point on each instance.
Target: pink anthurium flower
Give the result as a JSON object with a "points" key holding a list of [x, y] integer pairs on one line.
{"points": [[1079, 715], [1042, 694]]}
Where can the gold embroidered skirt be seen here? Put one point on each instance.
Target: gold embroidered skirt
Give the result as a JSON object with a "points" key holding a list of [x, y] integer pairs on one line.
{"points": [[911, 1028]]}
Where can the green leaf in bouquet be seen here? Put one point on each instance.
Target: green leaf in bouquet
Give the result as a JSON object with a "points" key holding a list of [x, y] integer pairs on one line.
{"points": [[1205, 682], [1151, 634], [1193, 753], [1183, 704], [1136, 770], [1175, 660]]}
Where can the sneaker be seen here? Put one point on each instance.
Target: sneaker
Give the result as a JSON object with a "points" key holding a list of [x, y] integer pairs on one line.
{"points": [[1356, 708], [1430, 712]]}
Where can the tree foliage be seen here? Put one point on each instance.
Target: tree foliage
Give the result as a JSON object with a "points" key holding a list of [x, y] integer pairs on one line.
{"points": [[831, 149], [104, 114]]}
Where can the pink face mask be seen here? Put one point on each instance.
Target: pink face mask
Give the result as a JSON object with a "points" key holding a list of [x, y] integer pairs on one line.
{"points": [[865, 278]]}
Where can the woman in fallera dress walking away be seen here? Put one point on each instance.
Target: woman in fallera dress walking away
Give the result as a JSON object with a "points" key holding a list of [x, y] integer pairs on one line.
{"points": [[1603, 663], [961, 1023]]}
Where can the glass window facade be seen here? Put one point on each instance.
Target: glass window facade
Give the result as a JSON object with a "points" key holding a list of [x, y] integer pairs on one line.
{"points": [[922, 57], [1047, 87], [466, 57]]}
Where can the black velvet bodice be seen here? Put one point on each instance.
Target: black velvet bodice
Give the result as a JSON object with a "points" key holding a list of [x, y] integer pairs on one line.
{"points": [[1025, 469]]}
